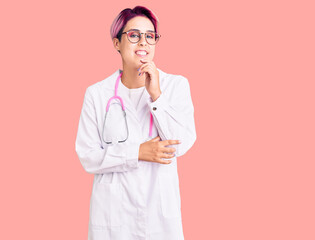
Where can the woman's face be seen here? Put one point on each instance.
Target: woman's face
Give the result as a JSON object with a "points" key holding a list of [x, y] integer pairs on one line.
{"points": [[128, 49]]}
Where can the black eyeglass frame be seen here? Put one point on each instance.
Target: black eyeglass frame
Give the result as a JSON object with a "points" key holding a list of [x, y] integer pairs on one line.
{"points": [[158, 38]]}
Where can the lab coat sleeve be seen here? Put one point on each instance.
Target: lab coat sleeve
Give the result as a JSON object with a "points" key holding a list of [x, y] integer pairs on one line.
{"points": [[173, 115], [94, 157]]}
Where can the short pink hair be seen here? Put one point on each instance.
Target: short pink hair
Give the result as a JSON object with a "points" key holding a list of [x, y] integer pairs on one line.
{"points": [[125, 15]]}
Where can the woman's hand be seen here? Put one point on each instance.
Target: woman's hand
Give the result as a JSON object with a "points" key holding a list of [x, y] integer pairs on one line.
{"points": [[154, 150], [152, 78]]}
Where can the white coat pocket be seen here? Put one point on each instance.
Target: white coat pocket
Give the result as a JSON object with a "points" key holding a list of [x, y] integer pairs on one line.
{"points": [[170, 198], [105, 205]]}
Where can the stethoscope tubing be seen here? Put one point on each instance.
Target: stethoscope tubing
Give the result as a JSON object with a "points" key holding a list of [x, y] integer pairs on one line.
{"points": [[125, 115]]}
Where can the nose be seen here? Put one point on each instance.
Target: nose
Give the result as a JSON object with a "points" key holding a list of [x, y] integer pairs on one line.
{"points": [[142, 39]]}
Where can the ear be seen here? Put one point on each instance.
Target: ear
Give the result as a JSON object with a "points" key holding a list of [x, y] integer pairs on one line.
{"points": [[116, 44]]}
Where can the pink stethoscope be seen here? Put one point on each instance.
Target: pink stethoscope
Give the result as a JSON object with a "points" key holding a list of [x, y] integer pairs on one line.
{"points": [[123, 108]]}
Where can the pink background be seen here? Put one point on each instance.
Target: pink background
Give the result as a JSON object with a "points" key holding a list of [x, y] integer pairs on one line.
{"points": [[250, 64]]}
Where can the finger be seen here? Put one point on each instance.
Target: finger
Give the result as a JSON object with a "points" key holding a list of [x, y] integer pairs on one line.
{"points": [[144, 69], [142, 66], [165, 161], [146, 63], [168, 149], [147, 70], [170, 142], [156, 139], [140, 70], [167, 155]]}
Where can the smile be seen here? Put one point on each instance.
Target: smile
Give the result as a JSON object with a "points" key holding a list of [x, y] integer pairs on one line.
{"points": [[141, 53]]}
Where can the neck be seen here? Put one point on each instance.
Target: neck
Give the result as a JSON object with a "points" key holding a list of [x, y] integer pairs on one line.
{"points": [[130, 77]]}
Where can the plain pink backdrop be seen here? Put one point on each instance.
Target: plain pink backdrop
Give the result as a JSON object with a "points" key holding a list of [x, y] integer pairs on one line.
{"points": [[250, 64]]}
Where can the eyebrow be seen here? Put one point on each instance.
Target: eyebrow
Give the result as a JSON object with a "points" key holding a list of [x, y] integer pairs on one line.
{"points": [[139, 30]]}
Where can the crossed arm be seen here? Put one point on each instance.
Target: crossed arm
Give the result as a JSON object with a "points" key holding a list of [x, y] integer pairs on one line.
{"points": [[173, 117]]}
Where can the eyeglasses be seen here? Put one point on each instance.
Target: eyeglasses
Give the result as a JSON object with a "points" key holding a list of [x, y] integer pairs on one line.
{"points": [[134, 36]]}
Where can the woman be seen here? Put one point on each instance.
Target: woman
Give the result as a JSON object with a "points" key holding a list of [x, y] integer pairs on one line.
{"points": [[131, 144]]}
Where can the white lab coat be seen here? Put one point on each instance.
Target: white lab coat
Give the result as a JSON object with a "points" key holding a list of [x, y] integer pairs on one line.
{"points": [[133, 199]]}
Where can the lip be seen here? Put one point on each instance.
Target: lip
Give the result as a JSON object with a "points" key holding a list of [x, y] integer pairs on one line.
{"points": [[141, 56]]}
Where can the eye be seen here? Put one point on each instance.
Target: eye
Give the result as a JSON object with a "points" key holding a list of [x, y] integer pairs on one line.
{"points": [[133, 34], [150, 35]]}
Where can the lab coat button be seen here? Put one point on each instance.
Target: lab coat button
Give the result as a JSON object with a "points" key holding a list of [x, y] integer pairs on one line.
{"points": [[154, 108]]}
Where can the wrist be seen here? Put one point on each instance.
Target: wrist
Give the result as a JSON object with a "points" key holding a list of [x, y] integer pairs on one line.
{"points": [[155, 96]]}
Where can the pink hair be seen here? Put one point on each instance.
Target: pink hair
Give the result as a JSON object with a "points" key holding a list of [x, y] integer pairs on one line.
{"points": [[125, 15]]}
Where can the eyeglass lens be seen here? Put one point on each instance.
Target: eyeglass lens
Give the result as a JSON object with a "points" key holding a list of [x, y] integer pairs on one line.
{"points": [[134, 36]]}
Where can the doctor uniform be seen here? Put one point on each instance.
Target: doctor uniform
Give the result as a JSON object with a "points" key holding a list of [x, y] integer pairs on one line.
{"points": [[133, 199]]}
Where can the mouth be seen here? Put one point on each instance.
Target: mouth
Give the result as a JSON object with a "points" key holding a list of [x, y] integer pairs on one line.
{"points": [[141, 53]]}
